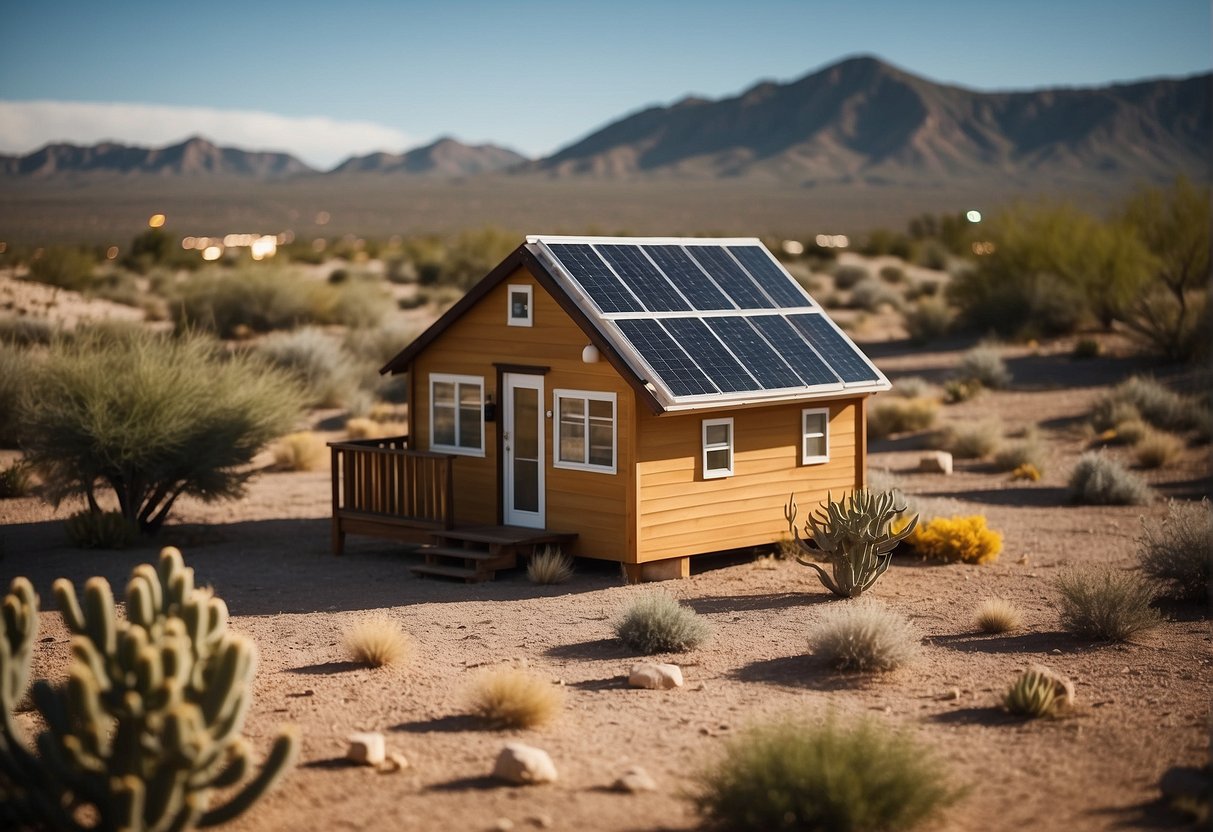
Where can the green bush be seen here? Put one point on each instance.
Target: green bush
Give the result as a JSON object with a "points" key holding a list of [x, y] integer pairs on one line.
{"points": [[317, 361], [151, 418], [22, 331], [983, 364], [656, 623], [928, 320], [797, 776], [914, 387], [1178, 552], [1105, 604], [15, 481], [871, 294], [1156, 404], [901, 415], [864, 636], [67, 268], [1027, 451], [892, 274], [973, 440], [16, 374], [1085, 348], [100, 530], [847, 277], [1099, 480]]}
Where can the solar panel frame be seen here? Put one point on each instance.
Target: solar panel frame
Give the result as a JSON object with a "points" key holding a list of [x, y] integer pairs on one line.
{"points": [[733, 280], [755, 354], [596, 279], [835, 348], [689, 277], [795, 350], [674, 368], [770, 277], [712, 355]]}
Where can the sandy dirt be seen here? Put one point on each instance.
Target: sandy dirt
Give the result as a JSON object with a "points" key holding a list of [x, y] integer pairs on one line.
{"points": [[1142, 707]]}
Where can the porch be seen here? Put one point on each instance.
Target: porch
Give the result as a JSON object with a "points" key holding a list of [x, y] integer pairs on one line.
{"points": [[382, 488]]}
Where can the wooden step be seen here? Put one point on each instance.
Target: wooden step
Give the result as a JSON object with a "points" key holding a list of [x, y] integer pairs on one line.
{"points": [[471, 576], [483, 560]]}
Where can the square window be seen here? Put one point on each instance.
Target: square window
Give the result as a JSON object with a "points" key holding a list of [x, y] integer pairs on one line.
{"points": [[585, 430], [520, 306], [717, 448], [815, 436], [457, 414]]}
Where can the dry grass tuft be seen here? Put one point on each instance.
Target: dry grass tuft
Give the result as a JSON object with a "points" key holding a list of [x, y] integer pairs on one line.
{"points": [[865, 636], [655, 622], [1106, 604], [1156, 449], [973, 440], [997, 615], [303, 451], [901, 415], [511, 698], [551, 566], [361, 427], [376, 642]]}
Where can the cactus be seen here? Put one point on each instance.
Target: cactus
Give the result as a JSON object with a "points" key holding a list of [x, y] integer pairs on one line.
{"points": [[1033, 694], [148, 722], [853, 535]]}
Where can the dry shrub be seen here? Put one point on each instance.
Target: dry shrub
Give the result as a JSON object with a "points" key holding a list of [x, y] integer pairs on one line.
{"points": [[1027, 471], [914, 387], [1105, 604], [1156, 449], [376, 641], [957, 539], [100, 530], [318, 361], [1178, 552], [865, 636], [551, 566], [15, 481], [1028, 451], [656, 623], [1156, 404], [1033, 694], [511, 698], [901, 415], [928, 320], [302, 451], [973, 440], [957, 390], [984, 365], [1099, 480], [1130, 431], [361, 427], [792, 775], [997, 615]]}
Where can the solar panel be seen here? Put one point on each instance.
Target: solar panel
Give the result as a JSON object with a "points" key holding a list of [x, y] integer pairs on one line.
{"points": [[642, 277], [840, 354], [720, 365], [770, 277], [600, 284], [688, 277], [755, 354], [792, 347], [732, 278], [673, 366]]}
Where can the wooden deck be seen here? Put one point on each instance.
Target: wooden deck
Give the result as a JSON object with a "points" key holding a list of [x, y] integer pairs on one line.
{"points": [[476, 553]]}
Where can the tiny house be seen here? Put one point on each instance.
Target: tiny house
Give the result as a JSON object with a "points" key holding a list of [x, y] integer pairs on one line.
{"points": [[642, 400]]}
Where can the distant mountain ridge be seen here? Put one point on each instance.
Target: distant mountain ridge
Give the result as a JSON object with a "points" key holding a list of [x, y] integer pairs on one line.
{"points": [[444, 157], [193, 157], [865, 119]]}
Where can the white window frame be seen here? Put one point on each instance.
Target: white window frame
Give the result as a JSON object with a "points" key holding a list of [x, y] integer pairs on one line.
{"points": [[587, 395], [805, 457], [529, 320], [717, 473], [457, 380]]}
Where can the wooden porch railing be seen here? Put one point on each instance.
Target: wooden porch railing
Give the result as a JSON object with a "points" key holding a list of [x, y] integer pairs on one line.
{"points": [[384, 489]]}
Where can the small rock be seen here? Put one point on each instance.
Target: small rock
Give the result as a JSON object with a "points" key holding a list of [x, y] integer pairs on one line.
{"points": [[952, 695], [1063, 688], [524, 765], [503, 825], [655, 676], [366, 749], [701, 686], [635, 779], [395, 762], [541, 821], [936, 462]]}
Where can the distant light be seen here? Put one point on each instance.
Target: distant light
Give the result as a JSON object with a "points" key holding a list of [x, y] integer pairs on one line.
{"points": [[973, 216], [319, 244], [323, 217], [832, 240], [264, 246], [212, 252], [155, 221], [111, 253], [793, 247], [187, 243], [982, 248]]}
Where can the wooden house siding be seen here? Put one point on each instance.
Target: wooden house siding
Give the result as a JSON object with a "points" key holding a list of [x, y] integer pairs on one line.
{"points": [[592, 503], [680, 513]]}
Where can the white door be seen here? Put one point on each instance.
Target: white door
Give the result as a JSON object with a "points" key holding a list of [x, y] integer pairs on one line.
{"points": [[522, 449]]}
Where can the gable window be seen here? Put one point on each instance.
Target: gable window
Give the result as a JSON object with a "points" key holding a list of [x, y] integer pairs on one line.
{"points": [[815, 436], [717, 448], [520, 306], [457, 414], [585, 430]]}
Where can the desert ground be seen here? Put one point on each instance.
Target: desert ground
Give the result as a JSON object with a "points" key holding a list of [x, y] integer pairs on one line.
{"points": [[1142, 707]]}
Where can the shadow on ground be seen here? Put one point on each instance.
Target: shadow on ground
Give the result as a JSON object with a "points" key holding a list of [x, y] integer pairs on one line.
{"points": [[806, 672], [450, 724], [1042, 643]]}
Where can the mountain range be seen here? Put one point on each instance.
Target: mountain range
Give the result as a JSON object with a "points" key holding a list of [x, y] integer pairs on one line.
{"points": [[858, 121]]}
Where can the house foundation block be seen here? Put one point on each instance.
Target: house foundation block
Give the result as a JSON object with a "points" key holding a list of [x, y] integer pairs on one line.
{"points": [[670, 569]]}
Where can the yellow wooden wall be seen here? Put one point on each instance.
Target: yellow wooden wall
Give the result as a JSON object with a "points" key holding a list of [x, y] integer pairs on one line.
{"points": [[588, 502], [681, 513]]}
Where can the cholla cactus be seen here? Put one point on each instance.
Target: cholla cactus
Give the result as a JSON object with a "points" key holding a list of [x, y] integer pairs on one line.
{"points": [[853, 536], [1032, 694], [149, 721]]}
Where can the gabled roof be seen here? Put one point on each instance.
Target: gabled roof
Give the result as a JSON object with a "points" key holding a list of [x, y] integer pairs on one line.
{"points": [[691, 323]]}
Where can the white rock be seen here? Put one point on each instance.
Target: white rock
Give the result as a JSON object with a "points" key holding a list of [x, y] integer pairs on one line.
{"points": [[366, 749], [524, 765], [635, 780], [655, 676], [936, 462]]}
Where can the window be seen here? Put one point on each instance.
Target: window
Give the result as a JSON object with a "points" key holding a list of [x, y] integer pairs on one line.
{"points": [[815, 430], [520, 306], [717, 448], [457, 414], [585, 430]]}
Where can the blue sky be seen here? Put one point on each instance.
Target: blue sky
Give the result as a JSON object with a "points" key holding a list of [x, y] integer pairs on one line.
{"points": [[326, 79]]}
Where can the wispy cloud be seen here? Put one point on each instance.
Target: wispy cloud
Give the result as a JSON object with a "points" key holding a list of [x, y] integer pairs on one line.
{"points": [[321, 142]]}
